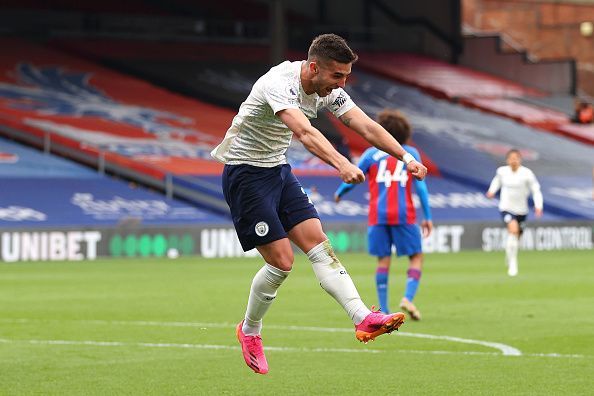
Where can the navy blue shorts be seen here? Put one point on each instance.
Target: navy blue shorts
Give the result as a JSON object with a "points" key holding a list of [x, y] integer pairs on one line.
{"points": [[405, 237], [265, 203], [507, 217]]}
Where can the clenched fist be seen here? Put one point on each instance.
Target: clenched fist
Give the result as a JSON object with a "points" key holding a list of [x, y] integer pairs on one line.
{"points": [[351, 174], [417, 169]]}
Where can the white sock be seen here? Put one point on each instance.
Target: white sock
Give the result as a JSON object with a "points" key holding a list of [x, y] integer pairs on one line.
{"points": [[336, 281], [262, 293], [511, 253]]}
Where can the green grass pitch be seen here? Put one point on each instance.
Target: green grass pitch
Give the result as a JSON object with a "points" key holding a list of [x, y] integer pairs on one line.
{"points": [[166, 327]]}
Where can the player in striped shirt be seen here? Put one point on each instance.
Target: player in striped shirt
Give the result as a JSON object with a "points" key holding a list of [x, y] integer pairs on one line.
{"points": [[392, 216]]}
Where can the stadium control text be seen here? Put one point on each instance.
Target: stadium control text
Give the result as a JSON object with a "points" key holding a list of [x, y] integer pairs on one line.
{"points": [[541, 238]]}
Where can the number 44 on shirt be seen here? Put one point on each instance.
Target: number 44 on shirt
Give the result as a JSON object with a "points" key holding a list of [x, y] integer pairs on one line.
{"points": [[387, 177]]}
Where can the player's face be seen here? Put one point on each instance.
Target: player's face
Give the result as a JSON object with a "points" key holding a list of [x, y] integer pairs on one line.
{"points": [[330, 75], [514, 160]]}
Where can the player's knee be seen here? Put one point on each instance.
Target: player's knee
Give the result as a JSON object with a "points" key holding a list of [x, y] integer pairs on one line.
{"points": [[416, 261], [513, 227], [384, 262], [316, 239], [283, 261]]}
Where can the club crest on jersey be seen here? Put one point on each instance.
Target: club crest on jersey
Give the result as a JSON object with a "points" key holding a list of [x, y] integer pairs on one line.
{"points": [[262, 228]]}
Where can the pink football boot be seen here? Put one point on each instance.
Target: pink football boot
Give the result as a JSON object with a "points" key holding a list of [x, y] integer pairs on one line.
{"points": [[253, 351], [376, 324]]}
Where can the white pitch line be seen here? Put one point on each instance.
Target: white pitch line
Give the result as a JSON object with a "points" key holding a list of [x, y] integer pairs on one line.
{"points": [[275, 349], [505, 349]]}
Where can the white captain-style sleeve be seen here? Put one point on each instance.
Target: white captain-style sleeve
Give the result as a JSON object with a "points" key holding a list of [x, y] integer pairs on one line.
{"points": [[281, 94], [534, 186], [496, 182], [339, 102]]}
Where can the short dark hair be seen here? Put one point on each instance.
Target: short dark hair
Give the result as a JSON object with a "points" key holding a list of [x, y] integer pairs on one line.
{"points": [[513, 151], [331, 46], [395, 123]]}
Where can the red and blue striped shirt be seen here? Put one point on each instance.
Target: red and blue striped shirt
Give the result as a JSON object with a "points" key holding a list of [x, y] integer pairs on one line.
{"points": [[390, 188]]}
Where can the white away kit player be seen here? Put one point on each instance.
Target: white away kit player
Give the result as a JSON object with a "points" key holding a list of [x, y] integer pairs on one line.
{"points": [[516, 183]]}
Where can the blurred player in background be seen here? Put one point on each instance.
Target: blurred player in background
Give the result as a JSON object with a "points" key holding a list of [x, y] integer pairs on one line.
{"points": [[392, 216], [268, 204], [516, 183]]}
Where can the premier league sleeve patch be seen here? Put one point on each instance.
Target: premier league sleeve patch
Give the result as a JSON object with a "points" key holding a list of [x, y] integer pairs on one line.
{"points": [[292, 94], [282, 95]]}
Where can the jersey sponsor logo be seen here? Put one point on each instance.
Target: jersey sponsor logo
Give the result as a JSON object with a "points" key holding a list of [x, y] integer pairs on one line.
{"points": [[339, 101], [262, 229]]}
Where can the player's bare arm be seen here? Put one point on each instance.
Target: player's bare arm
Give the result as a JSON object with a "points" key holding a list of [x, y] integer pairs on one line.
{"points": [[427, 227], [317, 144], [375, 134]]}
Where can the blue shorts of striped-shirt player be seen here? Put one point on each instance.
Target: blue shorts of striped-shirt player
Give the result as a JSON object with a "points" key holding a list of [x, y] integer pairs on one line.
{"points": [[405, 237], [265, 203]]}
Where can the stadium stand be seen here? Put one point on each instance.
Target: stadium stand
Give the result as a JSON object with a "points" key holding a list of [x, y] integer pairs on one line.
{"points": [[478, 90], [441, 79], [122, 124], [194, 70], [521, 112], [112, 121], [188, 69], [468, 145], [44, 191], [498, 54], [459, 132]]}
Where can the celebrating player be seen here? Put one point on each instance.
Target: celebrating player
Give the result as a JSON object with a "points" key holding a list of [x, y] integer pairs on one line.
{"points": [[516, 183], [392, 216], [268, 205]]}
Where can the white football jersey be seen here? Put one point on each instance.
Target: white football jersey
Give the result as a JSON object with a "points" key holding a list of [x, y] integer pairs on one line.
{"points": [[516, 187], [257, 136]]}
